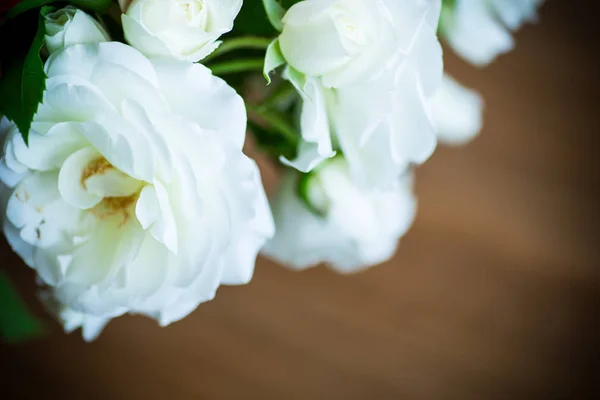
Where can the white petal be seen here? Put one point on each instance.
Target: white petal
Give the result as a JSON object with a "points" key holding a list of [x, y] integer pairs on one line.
{"points": [[48, 152], [107, 75], [310, 41], [141, 39], [239, 269], [119, 142], [347, 241], [192, 91], [302, 239], [18, 245], [457, 112], [70, 179], [164, 228], [26, 204], [316, 143], [84, 29], [475, 34], [81, 60], [147, 209]]}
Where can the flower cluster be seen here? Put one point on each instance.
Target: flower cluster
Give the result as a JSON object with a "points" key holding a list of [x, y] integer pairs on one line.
{"points": [[122, 177]]}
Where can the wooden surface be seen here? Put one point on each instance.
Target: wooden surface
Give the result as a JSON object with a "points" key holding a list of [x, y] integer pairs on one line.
{"points": [[492, 294]]}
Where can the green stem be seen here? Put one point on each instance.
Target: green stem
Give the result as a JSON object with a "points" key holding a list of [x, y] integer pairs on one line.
{"points": [[285, 93], [277, 121], [244, 42], [233, 66]]}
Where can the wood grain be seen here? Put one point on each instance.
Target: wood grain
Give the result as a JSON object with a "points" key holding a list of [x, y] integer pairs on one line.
{"points": [[492, 295]]}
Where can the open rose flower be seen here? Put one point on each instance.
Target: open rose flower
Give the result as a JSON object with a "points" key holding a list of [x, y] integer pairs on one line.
{"points": [[366, 70], [184, 29], [480, 30], [337, 222], [133, 194]]}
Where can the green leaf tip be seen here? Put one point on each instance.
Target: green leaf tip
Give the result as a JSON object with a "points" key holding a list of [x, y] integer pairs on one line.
{"points": [[273, 59], [24, 81], [17, 323]]}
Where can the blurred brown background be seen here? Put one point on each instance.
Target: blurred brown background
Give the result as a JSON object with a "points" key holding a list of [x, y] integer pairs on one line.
{"points": [[493, 294]]}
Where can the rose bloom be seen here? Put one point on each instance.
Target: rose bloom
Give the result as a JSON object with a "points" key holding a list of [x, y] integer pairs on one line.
{"points": [[68, 26], [365, 70], [338, 222], [184, 29], [480, 30], [133, 195]]}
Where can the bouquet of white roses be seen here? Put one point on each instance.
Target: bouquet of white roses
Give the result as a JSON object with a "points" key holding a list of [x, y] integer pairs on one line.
{"points": [[123, 180]]}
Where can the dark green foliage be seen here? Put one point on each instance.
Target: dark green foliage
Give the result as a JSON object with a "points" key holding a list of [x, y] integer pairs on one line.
{"points": [[23, 78], [16, 322], [272, 142], [26, 5]]}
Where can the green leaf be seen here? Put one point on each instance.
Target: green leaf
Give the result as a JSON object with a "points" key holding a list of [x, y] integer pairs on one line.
{"points": [[275, 13], [26, 5], [24, 80], [273, 59], [288, 3], [113, 27], [446, 16], [238, 43], [272, 142], [279, 122], [234, 66], [252, 20], [17, 323], [449, 4], [275, 133]]}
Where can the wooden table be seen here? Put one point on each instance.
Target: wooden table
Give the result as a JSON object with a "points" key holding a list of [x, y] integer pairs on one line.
{"points": [[491, 295]]}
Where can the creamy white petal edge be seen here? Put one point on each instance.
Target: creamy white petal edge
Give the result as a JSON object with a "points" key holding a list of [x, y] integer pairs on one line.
{"points": [[357, 228], [134, 195], [372, 101], [479, 31], [457, 111]]}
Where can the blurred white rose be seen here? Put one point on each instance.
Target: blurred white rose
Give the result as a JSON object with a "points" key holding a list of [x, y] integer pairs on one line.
{"points": [[348, 228], [366, 70], [68, 25], [184, 29], [457, 111], [480, 30], [133, 194]]}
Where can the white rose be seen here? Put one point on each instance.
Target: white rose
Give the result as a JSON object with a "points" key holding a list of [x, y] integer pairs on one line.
{"points": [[480, 30], [457, 111], [342, 41], [348, 228], [369, 97], [184, 29], [68, 26], [133, 194]]}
